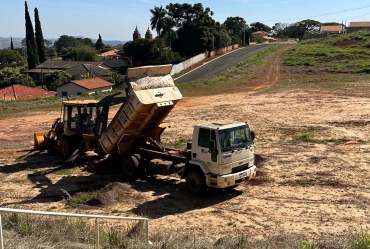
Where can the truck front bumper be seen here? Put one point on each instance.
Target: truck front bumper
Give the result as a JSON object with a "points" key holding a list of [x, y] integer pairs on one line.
{"points": [[230, 180]]}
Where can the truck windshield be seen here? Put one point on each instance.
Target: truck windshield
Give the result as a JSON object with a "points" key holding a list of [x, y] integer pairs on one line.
{"points": [[234, 137]]}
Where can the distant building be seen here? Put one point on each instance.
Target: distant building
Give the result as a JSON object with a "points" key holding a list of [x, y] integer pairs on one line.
{"points": [[332, 29], [111, 54], [136, 35], [86, 86], [75, 68], [358, 26], [148, 35]]}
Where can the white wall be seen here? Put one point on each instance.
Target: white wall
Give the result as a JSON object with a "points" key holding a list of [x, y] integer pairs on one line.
{"points": [[73, 89], [189, 62]]}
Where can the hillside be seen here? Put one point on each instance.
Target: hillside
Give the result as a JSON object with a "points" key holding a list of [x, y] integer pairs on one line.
{"points": [[5, 42]]}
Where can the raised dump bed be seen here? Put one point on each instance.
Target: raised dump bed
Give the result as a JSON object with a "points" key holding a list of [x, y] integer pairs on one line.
{"points": [[153, 95]]}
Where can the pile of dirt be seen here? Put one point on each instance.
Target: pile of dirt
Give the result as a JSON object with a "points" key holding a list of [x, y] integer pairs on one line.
{"points": [[116, 192]]}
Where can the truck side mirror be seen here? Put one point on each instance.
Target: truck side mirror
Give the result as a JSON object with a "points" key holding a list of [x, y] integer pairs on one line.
{"points": [[253, 135], [212, 146]]}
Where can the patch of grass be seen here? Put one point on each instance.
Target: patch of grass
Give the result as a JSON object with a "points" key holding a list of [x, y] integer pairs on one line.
{"points": [[80, 198], [307, 137], [63, 172], [361, 241]]}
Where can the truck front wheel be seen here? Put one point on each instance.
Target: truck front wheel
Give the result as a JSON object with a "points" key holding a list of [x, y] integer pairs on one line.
{"points": [[196, 182]]}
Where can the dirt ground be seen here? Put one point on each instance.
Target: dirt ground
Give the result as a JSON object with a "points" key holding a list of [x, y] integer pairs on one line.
{"points": [[315, 188]]}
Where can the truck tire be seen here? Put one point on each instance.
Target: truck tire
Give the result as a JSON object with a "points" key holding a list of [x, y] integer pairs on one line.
{"points": [[130, 167], [196, 182]]}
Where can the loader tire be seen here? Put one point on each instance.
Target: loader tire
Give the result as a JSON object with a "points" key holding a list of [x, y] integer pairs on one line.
{"points": [[130, 167], [67, 147], [51, 147], [196, 182]]}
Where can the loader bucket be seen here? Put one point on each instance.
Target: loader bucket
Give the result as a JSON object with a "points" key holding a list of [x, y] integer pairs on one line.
{"points": [[39, 140]]}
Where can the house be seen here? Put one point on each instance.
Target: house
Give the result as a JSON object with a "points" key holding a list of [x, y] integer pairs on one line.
{"points": [[76, 69], [358, 26], [85, 86], [111, 54], [262, 36], [16, 92], [332, 29], [259, 34], [81, 71]]}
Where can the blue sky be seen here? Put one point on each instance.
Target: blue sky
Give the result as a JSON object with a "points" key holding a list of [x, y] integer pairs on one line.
{"points": [[116, 19]]}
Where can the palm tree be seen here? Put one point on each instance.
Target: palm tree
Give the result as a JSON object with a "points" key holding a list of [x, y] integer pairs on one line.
{"points": [[157, 23], [169, 25]]}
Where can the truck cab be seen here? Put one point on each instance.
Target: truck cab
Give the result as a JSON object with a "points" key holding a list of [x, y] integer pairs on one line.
{"points": [[224, 151]]}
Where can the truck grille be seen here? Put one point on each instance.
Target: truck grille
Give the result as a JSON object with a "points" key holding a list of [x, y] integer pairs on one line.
{"points": [[239, 168]]}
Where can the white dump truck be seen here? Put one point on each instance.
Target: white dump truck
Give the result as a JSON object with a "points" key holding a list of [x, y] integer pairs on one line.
{"points": [[220, 155]]}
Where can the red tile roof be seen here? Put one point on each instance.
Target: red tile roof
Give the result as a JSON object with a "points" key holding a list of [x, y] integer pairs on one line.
{"points": [[109, 53], [15, 92], [359, 24], [333, 28], [92, 83]]}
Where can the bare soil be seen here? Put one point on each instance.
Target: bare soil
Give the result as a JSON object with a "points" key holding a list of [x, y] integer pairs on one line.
{"points": [[315, 187]]}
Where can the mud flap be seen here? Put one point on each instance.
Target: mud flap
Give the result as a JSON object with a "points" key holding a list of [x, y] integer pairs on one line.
{"points": [[73, 157]]}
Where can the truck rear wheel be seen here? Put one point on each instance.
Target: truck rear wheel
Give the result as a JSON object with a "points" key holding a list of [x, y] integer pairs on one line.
{"points": [[130, 166], [196, 182]]}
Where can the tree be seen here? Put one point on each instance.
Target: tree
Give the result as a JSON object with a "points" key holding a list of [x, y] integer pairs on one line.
{"points": [[56, 78], [196, 28], [157, 22], [12, 75], [258, 26], [84, 53], [140, 50], [11, 43], [32, 54], [99, 44], [39, 38], [278, 29], [115, 78], [293, 31], [11, 57], [66, 41], [169, 57], [236, 27], [222, 39], [309, 26], [169, 24]]}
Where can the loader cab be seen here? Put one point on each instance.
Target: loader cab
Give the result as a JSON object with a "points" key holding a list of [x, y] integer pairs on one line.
{"points": [[79, 116]]}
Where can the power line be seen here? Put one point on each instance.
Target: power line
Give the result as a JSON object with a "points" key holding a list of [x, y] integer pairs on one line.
{"points": [[332, 13]]}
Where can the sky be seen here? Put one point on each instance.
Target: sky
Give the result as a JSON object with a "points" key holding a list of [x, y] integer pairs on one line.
{"points": [[117, 19]]}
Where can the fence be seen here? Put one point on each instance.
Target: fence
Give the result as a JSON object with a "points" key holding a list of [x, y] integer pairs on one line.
{"points": [[97, 246], [189, 62]]}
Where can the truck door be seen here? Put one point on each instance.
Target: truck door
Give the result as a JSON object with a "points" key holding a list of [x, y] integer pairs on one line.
{"points": [[202, 149]]}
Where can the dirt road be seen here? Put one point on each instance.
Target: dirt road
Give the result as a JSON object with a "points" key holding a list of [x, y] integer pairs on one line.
{"points": [[312, 158]]}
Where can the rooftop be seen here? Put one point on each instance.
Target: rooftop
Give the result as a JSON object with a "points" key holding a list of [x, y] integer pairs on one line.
{"points": [[92, 83], [16, 92], [359, 24]]}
